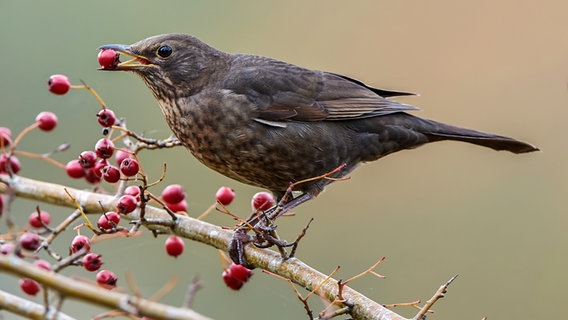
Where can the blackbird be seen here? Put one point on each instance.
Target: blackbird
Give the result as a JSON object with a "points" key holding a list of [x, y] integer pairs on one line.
{"points": [[269, 123]]}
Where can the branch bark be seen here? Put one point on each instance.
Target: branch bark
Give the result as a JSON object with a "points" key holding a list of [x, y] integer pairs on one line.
{"points": [[197, 230], [26, 308], [73, 288]]}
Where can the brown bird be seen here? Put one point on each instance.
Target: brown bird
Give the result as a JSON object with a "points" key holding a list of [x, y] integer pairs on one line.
{"points": [[269, 123]]}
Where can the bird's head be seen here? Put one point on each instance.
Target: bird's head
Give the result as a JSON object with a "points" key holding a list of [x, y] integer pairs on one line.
{"points": [[170, 63]]}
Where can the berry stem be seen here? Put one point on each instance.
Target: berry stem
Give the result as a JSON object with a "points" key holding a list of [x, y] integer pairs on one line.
{"points": [[162, 177], [207, 212], [22, 134], [62, 226], [40, 156], [225, 261], [78, 206], [92, 91]]}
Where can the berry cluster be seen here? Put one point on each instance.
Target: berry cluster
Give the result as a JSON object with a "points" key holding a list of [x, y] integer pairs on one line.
{"points": [[109, 163], [95, 165], [29, 242]]}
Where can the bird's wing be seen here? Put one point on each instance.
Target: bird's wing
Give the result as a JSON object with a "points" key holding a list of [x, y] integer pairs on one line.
{"points": [[285, 92]]}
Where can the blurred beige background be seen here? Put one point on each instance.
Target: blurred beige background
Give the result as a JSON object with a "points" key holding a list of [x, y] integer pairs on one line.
{"points": [[496, 219]]}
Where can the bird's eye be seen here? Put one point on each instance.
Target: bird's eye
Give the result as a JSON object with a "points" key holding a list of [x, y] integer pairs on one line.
{"points": [[164, 51]]}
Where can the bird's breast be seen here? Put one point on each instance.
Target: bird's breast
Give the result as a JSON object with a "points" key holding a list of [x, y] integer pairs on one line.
{"points": [[222, 133], [218, 132]]}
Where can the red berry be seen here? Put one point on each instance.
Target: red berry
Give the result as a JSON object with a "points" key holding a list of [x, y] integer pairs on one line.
{"points": [[92, 175], [231, 281], [225, 195], [129, 167], [111, 174], [46, 120], [104, 148], [80, 242], [30, 241], [59, 84], [7, 248], [177, 207], [37, 223], [126, 204], [173, 193], [87, 159], [5, 137], [106, 118], [120, 155], [74, 169], [99, 165], [174, 246], [92, 262], [29, 286], [239, 272], [108, 59], [106, 279], [43, 264], [262, 201], [133, 191], [9, 163], [108, 220]]}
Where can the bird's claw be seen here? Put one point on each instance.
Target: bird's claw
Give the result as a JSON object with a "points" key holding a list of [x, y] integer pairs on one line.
{"points": [[265, 237]]}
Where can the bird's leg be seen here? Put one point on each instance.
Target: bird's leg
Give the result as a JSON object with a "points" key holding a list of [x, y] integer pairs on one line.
{"points": [[284, 205], [263, 220], [265, 231], [287, 205]]}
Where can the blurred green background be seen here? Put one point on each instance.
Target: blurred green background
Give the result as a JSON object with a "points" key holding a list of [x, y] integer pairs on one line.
{"points": [[496, 219]]}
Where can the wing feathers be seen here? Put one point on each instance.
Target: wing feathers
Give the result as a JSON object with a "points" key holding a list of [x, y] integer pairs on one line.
{"points": [[285, 92]]}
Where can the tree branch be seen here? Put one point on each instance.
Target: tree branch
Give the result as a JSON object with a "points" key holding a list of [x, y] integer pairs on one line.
{"points": [[186, 227], [26, 308], [71, 288]]}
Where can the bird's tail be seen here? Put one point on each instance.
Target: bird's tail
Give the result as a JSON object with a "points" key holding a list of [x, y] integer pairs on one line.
{"points": [[441, 131]]}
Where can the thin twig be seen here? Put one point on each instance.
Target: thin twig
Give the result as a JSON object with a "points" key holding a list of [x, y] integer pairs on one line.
{"points": [[440, 293], [194, 286]]}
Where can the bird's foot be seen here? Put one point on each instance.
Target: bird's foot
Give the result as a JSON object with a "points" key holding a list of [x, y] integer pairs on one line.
{"points": [[265, 237], [237, 247]]}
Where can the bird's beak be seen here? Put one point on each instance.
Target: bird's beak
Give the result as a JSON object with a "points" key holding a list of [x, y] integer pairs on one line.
{"points": [[136, 62]]}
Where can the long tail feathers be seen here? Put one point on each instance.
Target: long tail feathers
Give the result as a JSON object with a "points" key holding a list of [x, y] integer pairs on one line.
{"points": [[441, 131]]}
